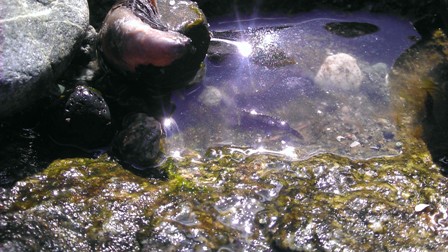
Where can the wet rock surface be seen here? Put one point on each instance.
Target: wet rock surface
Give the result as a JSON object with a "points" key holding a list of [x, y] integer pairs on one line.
{"points": [[81, 118], [420, 94], [230, 200], [139, 142], [38, 41]]}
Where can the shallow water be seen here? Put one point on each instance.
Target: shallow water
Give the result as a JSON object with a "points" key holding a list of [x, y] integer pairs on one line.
{"points": [[259, 90]]}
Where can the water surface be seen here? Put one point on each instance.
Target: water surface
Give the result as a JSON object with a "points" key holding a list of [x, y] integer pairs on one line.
{"points": [[259, 88]]}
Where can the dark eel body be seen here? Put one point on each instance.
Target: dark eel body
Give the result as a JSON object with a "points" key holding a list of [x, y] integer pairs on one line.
{"points": [[252, 120]]}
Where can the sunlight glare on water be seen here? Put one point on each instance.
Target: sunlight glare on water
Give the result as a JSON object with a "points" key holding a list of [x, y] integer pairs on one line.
{"points": [[311, 89]]}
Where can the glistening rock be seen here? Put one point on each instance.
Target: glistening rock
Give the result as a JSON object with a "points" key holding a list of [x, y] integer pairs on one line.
{"points": [[139, 142]]}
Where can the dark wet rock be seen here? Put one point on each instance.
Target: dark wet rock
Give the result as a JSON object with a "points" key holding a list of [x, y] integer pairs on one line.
{"points": [[82, 118], [139, 142], [351, 29], [172, 38], [38, 41], [84, 69], [98, 10]]}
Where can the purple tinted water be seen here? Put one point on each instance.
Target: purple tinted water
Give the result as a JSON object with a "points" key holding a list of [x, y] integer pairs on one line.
{"points": [[258, 90]]}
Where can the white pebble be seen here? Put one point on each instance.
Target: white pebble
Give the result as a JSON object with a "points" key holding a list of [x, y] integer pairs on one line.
{"points": [[355, 144], [340, 138], [420, 207]]}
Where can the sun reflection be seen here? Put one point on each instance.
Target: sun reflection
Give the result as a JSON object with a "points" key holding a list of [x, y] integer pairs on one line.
{"points": [[244, 47], [170, 126], [168, 122]]}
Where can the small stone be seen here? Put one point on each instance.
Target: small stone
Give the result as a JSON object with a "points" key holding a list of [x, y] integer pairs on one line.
{"points": [[355, 144], [139, 143], [211, 96], [421, 207], [82, 118], [388, 135], [340, 138], [377, 227]]}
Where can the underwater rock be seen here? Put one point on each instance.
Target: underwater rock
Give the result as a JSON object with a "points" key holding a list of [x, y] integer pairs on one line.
{"points": [[38, 40], [211, 96], [159, 44], [82, 118], [374, 83], [351, 29], [339, 72], [139, 143]]}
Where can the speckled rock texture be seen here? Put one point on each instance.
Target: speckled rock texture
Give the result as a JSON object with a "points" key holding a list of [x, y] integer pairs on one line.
{"points": [[38, 39]]}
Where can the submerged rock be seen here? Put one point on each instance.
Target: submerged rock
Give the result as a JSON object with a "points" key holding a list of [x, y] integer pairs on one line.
{"points": [[160, 44], [351, 29], [139, 143], [374, 82], [339, 72], [38, 41]]}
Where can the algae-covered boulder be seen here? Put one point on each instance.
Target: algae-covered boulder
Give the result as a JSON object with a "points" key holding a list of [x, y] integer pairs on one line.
{"points": [[420, 93], [234, 201]]}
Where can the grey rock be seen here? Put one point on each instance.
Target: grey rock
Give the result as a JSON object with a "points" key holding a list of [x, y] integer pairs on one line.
{"points": [[139, 143], [37, 42]]}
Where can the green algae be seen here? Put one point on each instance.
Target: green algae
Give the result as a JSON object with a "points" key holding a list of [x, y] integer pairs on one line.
{"points": [[366, 204]]}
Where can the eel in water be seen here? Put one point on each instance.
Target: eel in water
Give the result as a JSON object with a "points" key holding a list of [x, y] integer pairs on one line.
{"points": [[251, 119]]}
